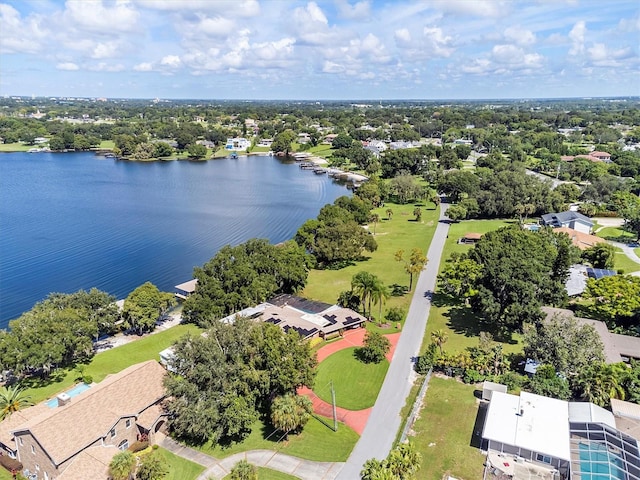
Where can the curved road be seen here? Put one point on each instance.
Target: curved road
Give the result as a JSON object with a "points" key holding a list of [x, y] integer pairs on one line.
{"points": [[384, 422]]}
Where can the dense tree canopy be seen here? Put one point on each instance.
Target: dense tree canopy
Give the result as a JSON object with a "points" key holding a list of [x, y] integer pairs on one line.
{"points": [[517, 271], [224, 379], [144, 306], [57, 332], [616, 300], [564, 344], [245, 275]]}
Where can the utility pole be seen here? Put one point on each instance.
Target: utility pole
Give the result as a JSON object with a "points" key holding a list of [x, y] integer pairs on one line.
{"points": [[335, 413]]}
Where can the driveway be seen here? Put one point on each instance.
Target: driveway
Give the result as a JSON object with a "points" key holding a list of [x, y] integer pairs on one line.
{"points": [[384, 421]]}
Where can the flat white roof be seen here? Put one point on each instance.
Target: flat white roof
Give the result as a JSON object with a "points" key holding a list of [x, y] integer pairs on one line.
{"points": [[532, 422], [585, 412]]}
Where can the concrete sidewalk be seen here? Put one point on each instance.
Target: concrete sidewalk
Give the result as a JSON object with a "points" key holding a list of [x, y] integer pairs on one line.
{"points": [[218, 469]]}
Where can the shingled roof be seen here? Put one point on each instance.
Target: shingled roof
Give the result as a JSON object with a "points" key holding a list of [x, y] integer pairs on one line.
{"points": [[91, 415]]}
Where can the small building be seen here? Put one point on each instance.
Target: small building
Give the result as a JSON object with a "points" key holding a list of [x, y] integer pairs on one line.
{"points": [[185, 289], [602, 156], [237, 144], [489, 387], [569, 219], [470, 238]]}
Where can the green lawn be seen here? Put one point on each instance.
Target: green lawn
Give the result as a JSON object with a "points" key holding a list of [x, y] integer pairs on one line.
{"points": [[622, 262], [356, 383], [617, 234], [445, 432], [180, 468], [317, 442], [268, 474], [454, 318], [14, 147], [401, 232], [107, 144], [110, 361], [322, 150]]}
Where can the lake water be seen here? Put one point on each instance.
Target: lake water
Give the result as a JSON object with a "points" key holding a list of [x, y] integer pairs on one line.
{"points": [[71, 221]]}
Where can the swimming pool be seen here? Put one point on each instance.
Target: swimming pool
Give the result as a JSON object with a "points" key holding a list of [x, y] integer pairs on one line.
{"points": [[598, 463], [77, 390]]}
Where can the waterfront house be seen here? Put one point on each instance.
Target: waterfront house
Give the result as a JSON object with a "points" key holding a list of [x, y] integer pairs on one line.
{"points": [[237, 144], [572, 220], [75, 438], [185, 289]]}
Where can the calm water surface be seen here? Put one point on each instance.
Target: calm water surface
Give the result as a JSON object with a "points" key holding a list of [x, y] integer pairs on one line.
{"points": [[75, 221]]}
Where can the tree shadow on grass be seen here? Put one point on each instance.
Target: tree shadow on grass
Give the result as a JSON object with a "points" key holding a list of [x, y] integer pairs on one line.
{"points": [[464, 321], [398, 290]]}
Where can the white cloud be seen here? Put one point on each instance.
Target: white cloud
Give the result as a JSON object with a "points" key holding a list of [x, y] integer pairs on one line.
{"points": [[239, 8], [19, 35], [602, 56], [437, 42], [94, 16], [105, 50], [332, 67], [515, 57], [519, 36], [143, 67], [478, 8], [358, 11], [171, 61], [478, 66], [70, 66], [576, 35], [274, 50], [402, 38], [107, 67]]}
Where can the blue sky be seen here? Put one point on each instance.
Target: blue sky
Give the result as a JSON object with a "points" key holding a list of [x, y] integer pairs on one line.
{"points": [[323, 49]]}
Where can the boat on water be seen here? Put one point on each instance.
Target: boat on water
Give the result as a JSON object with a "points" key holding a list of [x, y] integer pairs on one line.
{"points": [[234, 155], [38, 150]]}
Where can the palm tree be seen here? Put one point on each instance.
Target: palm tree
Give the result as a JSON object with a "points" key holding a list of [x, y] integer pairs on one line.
{"points": [[389, 213], [12, 399], [404, 461], [362, 284], [439, 337], [375, 218], [600, 383], [379, 294], [122, 465]]}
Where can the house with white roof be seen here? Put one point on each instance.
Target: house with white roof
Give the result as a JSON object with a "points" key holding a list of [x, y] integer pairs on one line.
{"points": [[531, 436], [237, 144]]}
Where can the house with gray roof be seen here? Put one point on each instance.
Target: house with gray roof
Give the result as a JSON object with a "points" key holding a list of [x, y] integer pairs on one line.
{"points": [[569, 219]]}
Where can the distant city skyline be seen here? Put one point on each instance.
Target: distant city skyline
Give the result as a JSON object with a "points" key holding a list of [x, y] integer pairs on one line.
{"points": [[323, 49]]}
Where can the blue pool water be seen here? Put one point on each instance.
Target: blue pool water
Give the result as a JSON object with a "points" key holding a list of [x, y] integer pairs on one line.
{"points": [[597, 463], [77, 390]]}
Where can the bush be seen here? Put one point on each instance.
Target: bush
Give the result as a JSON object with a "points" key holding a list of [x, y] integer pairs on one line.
{"points": [[88, 379], [243, 470], [137, 446], [423, 364], [375, 348], [472, 376], [10, 464]]}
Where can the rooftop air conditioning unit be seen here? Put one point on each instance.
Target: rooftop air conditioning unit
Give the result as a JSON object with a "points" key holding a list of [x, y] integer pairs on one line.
{"points": [[63, 399]]}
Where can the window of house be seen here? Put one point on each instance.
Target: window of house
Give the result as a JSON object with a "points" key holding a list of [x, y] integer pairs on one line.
{"points": [[128, 423], [112, 432], [33, 449], [46, 476], [543, 458], [21, 442], [37, 467], [124, 445]]}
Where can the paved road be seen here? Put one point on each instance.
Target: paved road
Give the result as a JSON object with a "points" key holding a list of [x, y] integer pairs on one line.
{"points": [[627, 250], [384, 422]]}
